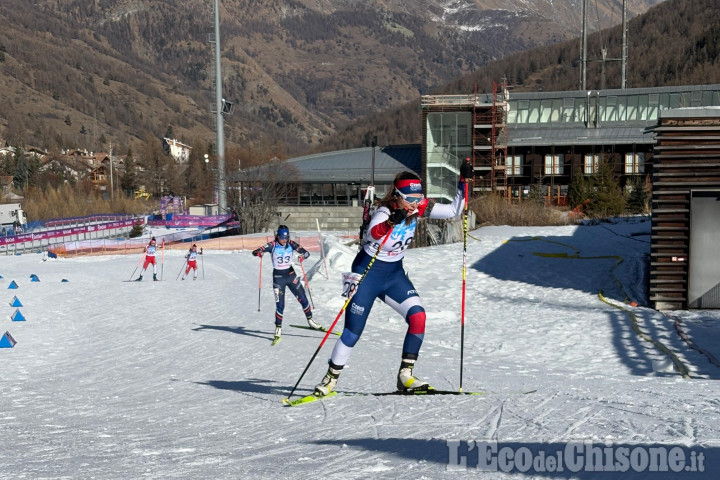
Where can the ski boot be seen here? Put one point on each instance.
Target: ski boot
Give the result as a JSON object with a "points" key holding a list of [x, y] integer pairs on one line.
{"points": [[406, 381], [183, 277], [327, 384], [155, 277], [278, 335], [194, 278], [313, 324], [139, 279]]}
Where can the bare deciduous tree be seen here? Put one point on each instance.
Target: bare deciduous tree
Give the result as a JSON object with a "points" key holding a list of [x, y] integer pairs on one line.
{"points": [[255, 194]]}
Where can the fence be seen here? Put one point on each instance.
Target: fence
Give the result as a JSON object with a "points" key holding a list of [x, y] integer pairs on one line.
{"points": [[49, 239]]}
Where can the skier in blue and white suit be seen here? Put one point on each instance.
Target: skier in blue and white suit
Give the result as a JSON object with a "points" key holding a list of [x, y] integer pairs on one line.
{"points": [[397, 214], [281, 250]]}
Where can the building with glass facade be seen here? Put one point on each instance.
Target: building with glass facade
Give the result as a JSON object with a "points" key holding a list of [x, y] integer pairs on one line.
{"points": [[516, 140]]}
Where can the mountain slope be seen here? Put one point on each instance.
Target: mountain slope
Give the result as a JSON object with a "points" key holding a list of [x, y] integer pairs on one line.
{"points": [[297, 70]]}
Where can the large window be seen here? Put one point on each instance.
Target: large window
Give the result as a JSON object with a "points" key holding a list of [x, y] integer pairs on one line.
{"points": [[514, 165], [554, 164], [634, 163], [592, 162], [448, 142]]}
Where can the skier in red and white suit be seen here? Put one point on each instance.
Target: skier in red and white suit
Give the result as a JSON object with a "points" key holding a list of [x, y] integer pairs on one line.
{"points": [[192, 261], [150, 250]]}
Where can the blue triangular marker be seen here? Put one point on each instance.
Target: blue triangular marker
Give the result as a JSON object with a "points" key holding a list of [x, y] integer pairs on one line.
{"points": [[16, 302], [7, 341], [64, 280], [13, 284], [34, 278], [17, 316]]}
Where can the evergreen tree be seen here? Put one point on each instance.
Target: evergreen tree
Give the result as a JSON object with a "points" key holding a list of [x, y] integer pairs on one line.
{"points": [[128, 181], [579, 190], [638, 200], [537, 192], [21, 173], [607, 199]]}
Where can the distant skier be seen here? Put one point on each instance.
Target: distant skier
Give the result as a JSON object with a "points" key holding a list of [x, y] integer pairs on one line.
{"points": [[284, 275], [150, 250], [191, 257], [397, 214]]}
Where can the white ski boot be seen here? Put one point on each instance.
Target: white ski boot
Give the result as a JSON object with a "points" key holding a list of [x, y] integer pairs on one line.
{"points": [[406, 380], [278, 331], [313, 324], [328, 383]]}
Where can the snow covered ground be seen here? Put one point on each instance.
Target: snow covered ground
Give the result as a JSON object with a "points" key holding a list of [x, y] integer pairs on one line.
{"points": [[117, 380]]}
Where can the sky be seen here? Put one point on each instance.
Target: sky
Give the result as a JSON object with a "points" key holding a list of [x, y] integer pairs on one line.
{"points": [[113, 379]]}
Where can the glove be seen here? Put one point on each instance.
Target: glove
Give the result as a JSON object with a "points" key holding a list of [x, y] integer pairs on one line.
{"points": [[397, 216], [305, 256], [200, 250], [467, 171], [258, 252]]}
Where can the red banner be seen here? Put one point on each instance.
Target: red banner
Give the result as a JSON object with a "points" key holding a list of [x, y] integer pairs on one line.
{"points": [[64, 232]]}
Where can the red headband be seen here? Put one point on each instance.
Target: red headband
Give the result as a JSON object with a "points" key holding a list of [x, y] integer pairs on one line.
{"points": [[409, 187]]}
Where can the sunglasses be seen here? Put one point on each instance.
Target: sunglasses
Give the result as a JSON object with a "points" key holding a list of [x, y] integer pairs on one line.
{"points": [[413, 198]]}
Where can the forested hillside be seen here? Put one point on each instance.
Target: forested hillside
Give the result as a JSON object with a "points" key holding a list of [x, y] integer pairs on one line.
{"points": [[675, 43]]}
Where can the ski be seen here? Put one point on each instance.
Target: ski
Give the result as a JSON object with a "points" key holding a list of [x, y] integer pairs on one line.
{"points": [[415, 392], [275, 341], [306, 399], [430, 391], [307, 327], [433, 391]]}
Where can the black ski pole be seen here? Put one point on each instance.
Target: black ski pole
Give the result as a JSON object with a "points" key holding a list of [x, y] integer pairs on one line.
{"points": [[181, 270], [260, 283], [138, 265], [329, 331]]}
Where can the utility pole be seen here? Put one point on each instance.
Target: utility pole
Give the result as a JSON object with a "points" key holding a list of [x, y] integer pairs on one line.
{"points": [[112, 189], [623, 81], [583, 79], [372, 172], [222, 196]]}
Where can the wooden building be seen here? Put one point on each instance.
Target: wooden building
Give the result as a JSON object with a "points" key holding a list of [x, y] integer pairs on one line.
{"points": [[685, 242]]}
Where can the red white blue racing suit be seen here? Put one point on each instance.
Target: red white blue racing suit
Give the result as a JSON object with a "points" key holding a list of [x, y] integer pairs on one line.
{"points": [[387, 280]]}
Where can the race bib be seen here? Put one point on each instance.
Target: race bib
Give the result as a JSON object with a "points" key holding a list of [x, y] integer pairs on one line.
{"points": [[350, 282]]}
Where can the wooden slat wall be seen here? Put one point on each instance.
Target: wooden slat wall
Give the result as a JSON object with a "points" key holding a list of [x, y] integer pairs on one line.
{"points": [[686, 157]]}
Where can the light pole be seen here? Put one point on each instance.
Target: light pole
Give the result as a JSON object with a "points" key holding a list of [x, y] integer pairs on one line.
{"points": [[222, 201]]}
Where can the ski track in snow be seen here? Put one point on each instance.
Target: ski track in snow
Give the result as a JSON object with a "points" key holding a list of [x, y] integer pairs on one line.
{"points": [[112, 379]]}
